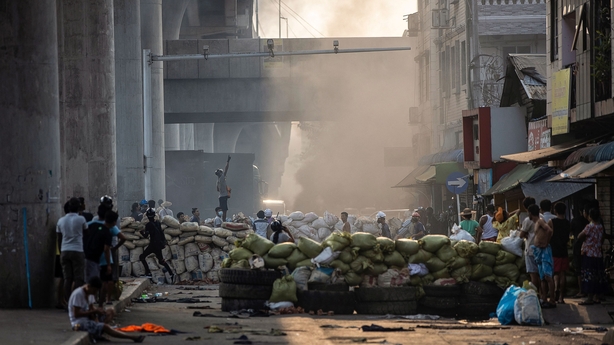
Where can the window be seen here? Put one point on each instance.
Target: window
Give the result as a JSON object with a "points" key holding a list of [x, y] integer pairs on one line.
{"points": [[463, 63], [457, 68], [453, 67], [554, 30]]}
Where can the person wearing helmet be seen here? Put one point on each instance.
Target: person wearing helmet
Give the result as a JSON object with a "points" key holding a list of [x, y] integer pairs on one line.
{"points": [[268, 215], [280, 233], [260, 224], [223, 188], [412, 228], [381, 219], [157, 242]]}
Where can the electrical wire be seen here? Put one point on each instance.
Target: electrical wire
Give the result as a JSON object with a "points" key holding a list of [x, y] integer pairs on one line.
{"points": [[318, 31], [303, 25]]}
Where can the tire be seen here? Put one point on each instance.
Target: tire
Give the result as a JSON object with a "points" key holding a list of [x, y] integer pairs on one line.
{"points": [[383, 308], [248, 277], [234, 304], [341, 303], [471, 299], [481, 289], [241, 291], [477, 311], [328, 287], [441, 312], [439, 302], [442, 291], [386, 294]]}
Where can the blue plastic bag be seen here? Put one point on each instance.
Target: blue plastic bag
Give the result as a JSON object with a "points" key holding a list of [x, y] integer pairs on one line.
{"points": [[505, 309]]}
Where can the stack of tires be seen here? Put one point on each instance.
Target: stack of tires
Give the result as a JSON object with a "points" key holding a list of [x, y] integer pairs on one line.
{"points": [[440, 300], [479, 300], [246, 289], [386, 300], [327, 297]]}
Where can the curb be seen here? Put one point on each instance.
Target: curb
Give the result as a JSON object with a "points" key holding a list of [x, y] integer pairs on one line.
{"points": [[132, 290]]}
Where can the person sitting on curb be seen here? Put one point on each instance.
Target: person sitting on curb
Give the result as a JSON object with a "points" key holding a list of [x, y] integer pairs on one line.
{"points": [[84, 317]]}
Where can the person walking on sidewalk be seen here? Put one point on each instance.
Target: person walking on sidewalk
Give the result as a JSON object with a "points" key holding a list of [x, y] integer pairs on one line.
{"points": [[561, 229], [157, 242], [70, 240], [98, 242], [223, 188], [542, 252]]}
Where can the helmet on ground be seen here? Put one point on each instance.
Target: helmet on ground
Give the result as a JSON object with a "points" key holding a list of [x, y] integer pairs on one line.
{"points": [[150, 213], [276, 226]]}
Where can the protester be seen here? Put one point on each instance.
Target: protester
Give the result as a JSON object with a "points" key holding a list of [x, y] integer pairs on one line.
{"points": [[560, 238], [157, 242], [181, 217], [578, 223], [346, 225], [87, 215], [61, 299], [98, 242], [217, 222], [381, 219], [165, 210], [505, 223], [486, 231], [135, 213], [469, 224], [543, 257], [545, 206], [195, 215], [527, 231], [223, 189], [268, 215], [413, 229], [280, 233], [260, 224], [144, 206], [594, 281], [70, 240]]}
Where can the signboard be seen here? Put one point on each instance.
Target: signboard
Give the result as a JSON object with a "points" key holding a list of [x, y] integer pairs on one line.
{"points": [[456, 182], [273, 62], [539, 135], [560, 101]]}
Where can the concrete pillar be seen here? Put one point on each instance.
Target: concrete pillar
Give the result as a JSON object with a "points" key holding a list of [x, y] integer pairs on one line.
{"points": [[30, 155], [151, 38], [88, 99], [225, 137], [171, 137], [186, 136], [128, 106], [203, 137]]}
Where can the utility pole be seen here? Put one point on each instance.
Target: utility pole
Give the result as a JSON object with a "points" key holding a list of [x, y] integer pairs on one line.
{"points": [[257, 21], [286, 19], [279, 18]]}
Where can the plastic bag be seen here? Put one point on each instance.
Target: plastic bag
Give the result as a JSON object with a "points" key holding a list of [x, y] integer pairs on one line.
{"points": [[368, 281], [279, 305], [512, 245], [284, 289], [527, 310], [418, 269], [461, 235], [505, 309], [325, 257], [301, 277], [455, 229], [320, 275]]}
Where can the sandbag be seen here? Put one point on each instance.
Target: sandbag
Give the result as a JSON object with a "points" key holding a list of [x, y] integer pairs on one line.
{"points": [[125, 269], [480, 271], [363, 240], [138, 226], [284, 289], [360, 264], [168, 238], [296, 257], [186, 234], [205, 262], [320, 275], [527, 310], [330, 219], [466, 249], [141, 243], [369, 226], [197, 274], [213, 276], [309, 247], [297, 215], [218, 241], [172, 231], [235, 226], [125, 221], [325, 257], [205, 231], [135, 254], [503, 282], [462, 274], [186, 241], [347, 255], [282, 250], [504, 257], [393, 278], [491, 248], [191, 263], [368, 281], [301, 277], [374, 254], [242, 234], [191, 249], [152, 263], [323, 233], [386, 245], [483, 258], [458, 262], [407, 247], [446, 253], [185, 276], [128, 230], [304, 263], [123, 254], [510, 271], [179, 266], [189, 226], [166, 253], [203, 239], [131, 237], [512, 245], [178, 252], [238, 254], [270, 262], [319, 223], [420, 257], [170, 222], [434, 264], [310, 217], [138, 269], [338, 241], [353, 278], [441, 274], [395, 259], [340, 265], [129, 245], [221, 232], [432, 243], [377, 269]]}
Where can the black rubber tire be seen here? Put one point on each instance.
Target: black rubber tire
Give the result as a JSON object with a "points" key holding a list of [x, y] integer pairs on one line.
{"points": [[386, 294], [439, 302], [242, 291], [471, 299], [477, 311], [234, 304], [442, 291], [451, 313], [482, 289], [341, 303], [328, 287], [383, 308], [248, 277]]}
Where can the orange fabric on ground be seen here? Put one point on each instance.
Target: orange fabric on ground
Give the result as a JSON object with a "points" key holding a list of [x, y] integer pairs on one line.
{"points": [[146, 327]]}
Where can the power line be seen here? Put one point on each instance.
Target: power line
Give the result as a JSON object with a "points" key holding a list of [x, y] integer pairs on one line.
{"points": [[294, 33], [318, 31], [297, 20]]}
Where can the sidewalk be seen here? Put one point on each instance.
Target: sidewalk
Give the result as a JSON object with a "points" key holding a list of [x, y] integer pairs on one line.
{"points": [[51, 326]]}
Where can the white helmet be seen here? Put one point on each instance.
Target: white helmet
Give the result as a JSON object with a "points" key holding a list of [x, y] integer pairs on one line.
{"points": [[268, 213]]}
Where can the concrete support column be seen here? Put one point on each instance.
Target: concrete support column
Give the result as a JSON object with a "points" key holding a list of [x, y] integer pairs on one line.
{"points": [[225, 137], [30, 138], [128, 106], [151, 38], [203, 137], [186, 135], [171, 137], [88, 99]]}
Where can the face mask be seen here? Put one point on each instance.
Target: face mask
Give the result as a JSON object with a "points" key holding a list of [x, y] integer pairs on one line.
{"points": [[220, 213]]}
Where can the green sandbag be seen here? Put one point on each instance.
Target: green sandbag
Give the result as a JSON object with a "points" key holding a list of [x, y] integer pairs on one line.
{"points": [[296, 257], [444, 273], [484, 259], [363, 240], [385, 244], [415, 280], [432, 243], [284, 290], [480, 271], [446, 253], [503, 282], [395, 259], [360, 264], [458, 262], [347, 255], [337, 241], [282, 250], [510, 271], [491, 279], [240, 264], [462, 274], [434, 264], [407, 247], [428, 279], [226, 263], [453, 243], [338, 264], [304, 263], [270, 262], [257, 244], [504, 257], [374, 254], [378, 268], [420, 257], [309, 247], [466, 249], [491, 248], [239, 254], [520, 263], [353, 278]]}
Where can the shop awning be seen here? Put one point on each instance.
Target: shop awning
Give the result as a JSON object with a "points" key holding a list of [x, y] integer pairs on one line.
{"points": [[520, 174], [410, 180], [428, 176], [445, 169], [547, 153], [553, 191]]}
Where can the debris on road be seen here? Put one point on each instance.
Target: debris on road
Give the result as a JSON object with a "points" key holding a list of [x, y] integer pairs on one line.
{"points": [[378, 328]]}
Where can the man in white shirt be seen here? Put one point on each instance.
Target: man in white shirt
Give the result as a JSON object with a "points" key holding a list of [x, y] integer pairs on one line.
{"points": [[527, 231], [70, 242], [545, 206], [84, 317], [261, 225]]}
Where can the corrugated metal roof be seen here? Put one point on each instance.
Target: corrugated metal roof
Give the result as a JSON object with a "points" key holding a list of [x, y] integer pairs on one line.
{"points": [[443, 157], [410, 180], [547, 153], [511, 180], [531, 71], [553, 191], [599, 153], [573, 172]]}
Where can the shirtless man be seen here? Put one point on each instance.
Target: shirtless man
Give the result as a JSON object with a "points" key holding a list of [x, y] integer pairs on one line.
{"points": [[543, 256], [346, 225]]}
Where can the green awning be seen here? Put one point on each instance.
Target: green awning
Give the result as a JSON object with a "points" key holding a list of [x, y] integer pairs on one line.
{"points": [[410, 180], [520, 174], [445, 169], [428, 175]]}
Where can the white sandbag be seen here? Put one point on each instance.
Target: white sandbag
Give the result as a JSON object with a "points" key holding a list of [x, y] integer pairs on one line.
{"points": [[235, 226], [213, 276], [123, 254], [205, 231], [166, 253], [310, 217], [125, 221], [168, 238], [171, 222], [203, 239], [163, 226], [512, 243], [189, 226], [308, 231], [131, 237], [185, 276], [298, 223], [135, 254], [127, 230], [178, 252], [369, 225], [174, 241], [138, 269], [330, 219], [172, 232], [320, 223], [339, 225], [191, 263], [141, 243], [152, 263], [240, 234], [179, 266], [197, 274], [129, 245], [205, 262], [231, 239], [186, 234], [301, 277], [325, 257], [318, 276], [185, 241], [158, 277], [461, 235], [191, 249], [323, 233], [394, 224], [527, 310], [218, 241], [297, 215], [137, 226], [221, 232], [204, 247], [126, 269]]}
